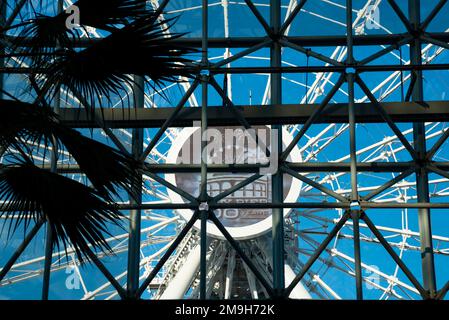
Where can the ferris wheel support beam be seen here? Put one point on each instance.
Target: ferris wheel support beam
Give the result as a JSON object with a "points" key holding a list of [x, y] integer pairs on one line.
{"points": [[229, 274], [251, 282], [422, 178], [179, 285], [167, 254], [388, 184], [299, 291]]}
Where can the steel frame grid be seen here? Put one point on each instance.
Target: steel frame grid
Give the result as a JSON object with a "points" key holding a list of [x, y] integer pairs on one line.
{"points": [[354, 206]]}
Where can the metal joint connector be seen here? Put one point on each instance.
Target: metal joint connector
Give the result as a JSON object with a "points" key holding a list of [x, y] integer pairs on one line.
{"points": [[355, 206], [350, 70], [204, 75], [204, 206]]}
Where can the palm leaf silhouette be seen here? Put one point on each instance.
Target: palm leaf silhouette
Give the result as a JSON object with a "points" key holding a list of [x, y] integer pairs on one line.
{"points": [[105, 14], [22, 124], [107, 168], [76, 213], [137, 44], [141, 48], [46, 33]]}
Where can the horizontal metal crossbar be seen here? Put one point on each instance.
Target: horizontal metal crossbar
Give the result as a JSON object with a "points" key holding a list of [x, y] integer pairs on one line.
{"points": [[308, 41], [258, 115]]}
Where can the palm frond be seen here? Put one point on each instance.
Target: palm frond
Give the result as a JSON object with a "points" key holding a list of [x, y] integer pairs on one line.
{"points": [[47, 33], [76, 213], [105, 14], [43, 34], [22, 124], [106, 168], [141, 48]]}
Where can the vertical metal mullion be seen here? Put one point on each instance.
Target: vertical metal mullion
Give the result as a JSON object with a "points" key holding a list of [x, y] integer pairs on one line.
{"points": [[203, 186], [277, 178], [132, 284], [47, 262], [49, 233], [53, 167], [3, 6], [422, 179], [355, 215], [355, 211]]}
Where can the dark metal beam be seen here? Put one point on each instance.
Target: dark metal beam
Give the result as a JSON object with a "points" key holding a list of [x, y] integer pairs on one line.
{"points": [[433, 14], [315, 184], [167, 254], [420, 145], [277, 179], [305, 41], [387, 118], [237, 247], [203, 197], [94, 258], [14, 12], [401, 15], [298, 69], [310, 53], [394, 255], [387, 206], [132, 283], [257, 115], [292, 16], [388, 184], [258, 16], [153, 169], [20, 249], [170, 119], [50, 230], [355, 212], [316, 254]]}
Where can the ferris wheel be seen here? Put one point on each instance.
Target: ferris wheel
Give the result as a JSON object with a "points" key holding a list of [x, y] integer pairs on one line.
{"points": [[333, 274]]}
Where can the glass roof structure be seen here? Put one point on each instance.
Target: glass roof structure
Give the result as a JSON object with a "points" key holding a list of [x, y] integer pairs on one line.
{"points": [[352, 96]]}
